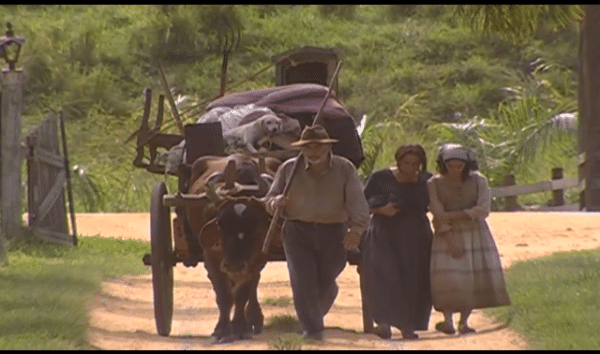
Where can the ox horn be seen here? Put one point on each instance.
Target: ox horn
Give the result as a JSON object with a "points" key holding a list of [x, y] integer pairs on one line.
{"points": [[230, 173], [211, 193]]}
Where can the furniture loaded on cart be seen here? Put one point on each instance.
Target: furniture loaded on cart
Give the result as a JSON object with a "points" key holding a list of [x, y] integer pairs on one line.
{"points": [[301, 87]]}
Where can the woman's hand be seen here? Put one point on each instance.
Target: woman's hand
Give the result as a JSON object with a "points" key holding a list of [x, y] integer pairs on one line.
{"points": [[388, 210], [440, 226], [450, 216]]}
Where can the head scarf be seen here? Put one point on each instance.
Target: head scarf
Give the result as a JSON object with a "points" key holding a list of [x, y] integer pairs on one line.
{"points": [[456, 152]]}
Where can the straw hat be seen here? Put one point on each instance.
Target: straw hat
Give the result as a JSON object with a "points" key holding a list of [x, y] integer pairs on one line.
{"points": [[314, 134]]}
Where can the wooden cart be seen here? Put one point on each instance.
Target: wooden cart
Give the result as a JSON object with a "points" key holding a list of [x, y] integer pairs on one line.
{"points": [[167, 248]]}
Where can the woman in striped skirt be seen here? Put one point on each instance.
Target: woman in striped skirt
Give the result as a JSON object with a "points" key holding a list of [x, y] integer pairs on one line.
{"points": [[466, 272]]}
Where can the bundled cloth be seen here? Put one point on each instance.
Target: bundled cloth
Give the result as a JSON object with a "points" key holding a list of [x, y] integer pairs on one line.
{"points": [[232, 118], [296, 105]]}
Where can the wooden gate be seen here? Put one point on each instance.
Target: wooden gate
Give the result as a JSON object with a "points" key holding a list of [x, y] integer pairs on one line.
{"points": [[47, 179]]}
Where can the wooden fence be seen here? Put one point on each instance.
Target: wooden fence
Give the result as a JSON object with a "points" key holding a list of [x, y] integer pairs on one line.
{"points": [[47, 179], [557, 185]]}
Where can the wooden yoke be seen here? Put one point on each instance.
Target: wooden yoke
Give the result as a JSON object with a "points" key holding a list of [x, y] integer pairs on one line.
{"points": [[318, 118]]}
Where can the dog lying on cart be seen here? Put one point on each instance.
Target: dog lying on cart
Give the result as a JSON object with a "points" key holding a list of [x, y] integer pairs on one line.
{"points": [[225, 163]]}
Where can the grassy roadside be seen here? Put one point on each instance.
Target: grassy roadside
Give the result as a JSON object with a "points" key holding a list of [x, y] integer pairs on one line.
{"points": [[46, 289], [555, 302]]}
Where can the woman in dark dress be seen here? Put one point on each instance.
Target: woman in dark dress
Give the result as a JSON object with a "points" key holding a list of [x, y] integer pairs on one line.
{"points": [[396, 247]]}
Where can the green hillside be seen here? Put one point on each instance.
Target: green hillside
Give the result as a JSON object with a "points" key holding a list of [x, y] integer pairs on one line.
{"points": [[409, 68]]}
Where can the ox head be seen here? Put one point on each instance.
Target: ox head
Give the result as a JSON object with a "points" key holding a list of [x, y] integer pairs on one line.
{"points": [[243, 170], [226, 173], [239, 228], [237, 168]]}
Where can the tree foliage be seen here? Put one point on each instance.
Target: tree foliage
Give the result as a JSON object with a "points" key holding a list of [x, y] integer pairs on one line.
{"points": [[518, 22], [407, 67]]}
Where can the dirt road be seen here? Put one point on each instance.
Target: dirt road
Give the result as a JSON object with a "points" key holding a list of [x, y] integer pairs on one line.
{"points": [[122, 315]]}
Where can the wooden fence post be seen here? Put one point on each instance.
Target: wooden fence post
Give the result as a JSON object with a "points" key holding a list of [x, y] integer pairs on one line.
{"points": [[3, 253], [589, 106], [558, 194], [12, 95], [510, 202]]}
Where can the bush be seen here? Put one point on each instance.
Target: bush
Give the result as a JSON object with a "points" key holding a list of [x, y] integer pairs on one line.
{"points": [[344, 12], [96, 64]]}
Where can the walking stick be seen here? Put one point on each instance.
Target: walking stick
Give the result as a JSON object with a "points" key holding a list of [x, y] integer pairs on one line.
{"points": [[277, 214], [170, 98]]}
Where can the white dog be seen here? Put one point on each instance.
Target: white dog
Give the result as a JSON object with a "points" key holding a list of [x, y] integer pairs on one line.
{"points": [[249, 134]]}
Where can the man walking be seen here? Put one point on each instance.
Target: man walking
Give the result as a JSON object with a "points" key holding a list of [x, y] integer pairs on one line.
{"points": [[325, 214]]}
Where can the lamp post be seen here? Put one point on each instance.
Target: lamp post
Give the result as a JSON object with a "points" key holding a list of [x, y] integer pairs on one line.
{"points": [[10, 140]]}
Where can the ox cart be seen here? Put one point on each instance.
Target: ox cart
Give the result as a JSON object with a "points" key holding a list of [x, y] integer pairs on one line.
{"points": [[207, 166]]}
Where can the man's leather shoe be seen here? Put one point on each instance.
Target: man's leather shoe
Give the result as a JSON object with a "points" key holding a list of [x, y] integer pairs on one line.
{"points": [[312, 336]]}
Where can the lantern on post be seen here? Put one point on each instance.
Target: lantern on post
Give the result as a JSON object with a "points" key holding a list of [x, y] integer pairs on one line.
{"points": [[10, 140], [10, 47]]}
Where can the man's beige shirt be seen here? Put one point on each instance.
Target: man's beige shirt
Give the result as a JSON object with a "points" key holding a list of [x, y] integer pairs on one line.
{"points": [[335, 196]]}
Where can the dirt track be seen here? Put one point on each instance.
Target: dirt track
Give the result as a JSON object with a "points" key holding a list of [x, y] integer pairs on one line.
{"points": [[122, 315]]}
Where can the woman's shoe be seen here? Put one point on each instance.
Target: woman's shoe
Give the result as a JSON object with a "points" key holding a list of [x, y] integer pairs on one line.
{"points": [[464, 329], [442, 327], [383, 331]]}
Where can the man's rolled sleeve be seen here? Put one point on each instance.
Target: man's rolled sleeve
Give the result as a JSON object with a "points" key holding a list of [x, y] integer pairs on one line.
{"points": [[356, 204]]}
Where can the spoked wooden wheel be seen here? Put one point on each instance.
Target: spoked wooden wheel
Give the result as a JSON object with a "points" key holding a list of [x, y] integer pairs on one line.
{"points": [[162, 260]]}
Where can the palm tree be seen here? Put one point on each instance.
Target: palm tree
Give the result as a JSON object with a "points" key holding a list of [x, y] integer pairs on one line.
{"points": [[521, 21]]}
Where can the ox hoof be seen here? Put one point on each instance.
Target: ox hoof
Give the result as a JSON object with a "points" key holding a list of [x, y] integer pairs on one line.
{"points": [[190, 261], [245, 336], [223, 339]]}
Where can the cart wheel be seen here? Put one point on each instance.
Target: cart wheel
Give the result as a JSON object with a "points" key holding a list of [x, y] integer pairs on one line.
{"points": [[162, 260]]}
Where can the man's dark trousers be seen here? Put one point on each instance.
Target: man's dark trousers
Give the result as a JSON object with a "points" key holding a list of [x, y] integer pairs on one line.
{"points": [[315, 257]]}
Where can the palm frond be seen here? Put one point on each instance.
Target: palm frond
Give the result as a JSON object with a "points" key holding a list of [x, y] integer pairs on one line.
{"points": [[479, 134], [517, 22], [538, 137], [564, 15], [86, 188], [372, 145], [404, 110]]}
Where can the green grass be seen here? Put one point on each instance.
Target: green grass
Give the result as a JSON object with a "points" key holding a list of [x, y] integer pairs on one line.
{"points": [[46, 289], [555, 302], [288, 326], [283, 323], [281, 301], [286, 342]]}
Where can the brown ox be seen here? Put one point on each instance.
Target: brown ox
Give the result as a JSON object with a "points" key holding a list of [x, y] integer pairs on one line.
{"points": [[230, 232], [232, 248], [222, 172]]}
